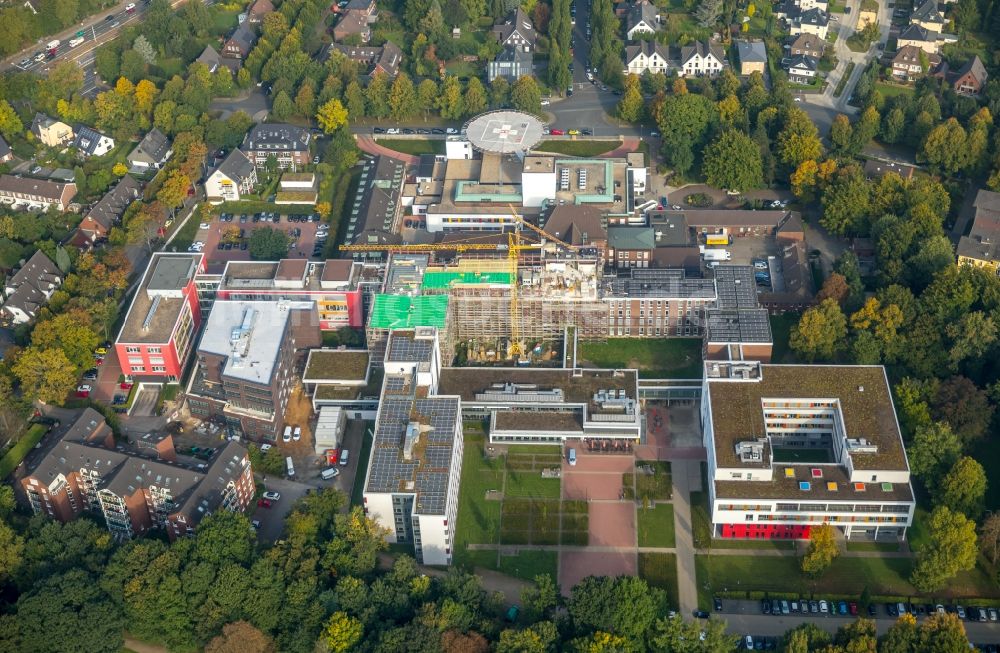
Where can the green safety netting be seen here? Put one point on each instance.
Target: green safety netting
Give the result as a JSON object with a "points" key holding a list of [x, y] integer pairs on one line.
{"points": [[403, 311], [438, 280]]}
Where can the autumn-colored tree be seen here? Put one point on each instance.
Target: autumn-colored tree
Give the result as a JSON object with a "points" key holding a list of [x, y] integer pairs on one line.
{"points": [[71, 331], [240, 637], [823, 550], [324, 208], [963, 487], [145, 94], [820, 332], [454, 641], [630, 108], [10, 123], [45, 374], [331, 115], [341, 632], [989, 537], [174, 189], [834, 287], [119, 169]]}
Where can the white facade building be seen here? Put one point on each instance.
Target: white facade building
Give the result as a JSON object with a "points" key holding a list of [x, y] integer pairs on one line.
{"points": [[796, 446], [411, 487]]}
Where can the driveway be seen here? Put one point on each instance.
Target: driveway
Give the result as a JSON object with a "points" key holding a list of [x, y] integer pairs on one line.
{"points": [[272, 520], [253, 102]]}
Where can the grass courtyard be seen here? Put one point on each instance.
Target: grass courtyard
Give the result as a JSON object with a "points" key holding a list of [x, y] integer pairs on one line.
{"points": [[660, 570], [656, 525], [651, 481], [655, 358], [505, 500], [577, 148], [413, 145]]}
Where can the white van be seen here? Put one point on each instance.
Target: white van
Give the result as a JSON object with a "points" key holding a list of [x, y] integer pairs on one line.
{"points": [[287, 436], [329, 473], [572, 457], [344, 454], [290, 467]]}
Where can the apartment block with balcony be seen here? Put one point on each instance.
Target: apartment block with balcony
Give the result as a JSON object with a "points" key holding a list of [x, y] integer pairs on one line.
{"points": [[288, 144], [134, 490], [412, 481], [245, 370], [796, 446], [161, 324]]}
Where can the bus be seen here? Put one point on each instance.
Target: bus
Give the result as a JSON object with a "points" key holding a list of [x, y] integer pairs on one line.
{"points": [[290, 466]]}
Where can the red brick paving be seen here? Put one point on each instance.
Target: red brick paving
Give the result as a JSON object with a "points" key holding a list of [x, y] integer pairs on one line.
{"points": [[218, 257], [612, 524], [598, 462], [577, 565], [603, 485]]}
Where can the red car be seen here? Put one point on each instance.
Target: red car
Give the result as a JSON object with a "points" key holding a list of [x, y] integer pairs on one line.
{"points": [[853, 608], [263, 503], [557, 132], [331, 456]]}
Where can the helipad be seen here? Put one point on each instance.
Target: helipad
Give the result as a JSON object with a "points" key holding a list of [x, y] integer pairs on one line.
{"points": [[504, 132]]}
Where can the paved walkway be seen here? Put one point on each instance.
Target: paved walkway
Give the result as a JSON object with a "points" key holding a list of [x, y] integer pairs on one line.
{"points": [[368, 144], [686, 476]]}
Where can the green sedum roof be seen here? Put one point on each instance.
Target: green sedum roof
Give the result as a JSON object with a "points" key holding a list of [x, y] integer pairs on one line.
{"points": [[405, 312], [439, 279]]}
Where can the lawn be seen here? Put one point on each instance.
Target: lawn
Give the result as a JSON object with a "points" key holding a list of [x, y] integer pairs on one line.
{"points": [[701, 520], [846, 577], [781, 329], [528, 564], [892, 90], [358, 490], [478, 519], [656, 525], [881, 547], [577, 148], [185, 235], [413, 145], [544, 522], [655, 486], [660, 570], [16, 453], [800, 455], [655, 358], [842, 84], [531, 484]]}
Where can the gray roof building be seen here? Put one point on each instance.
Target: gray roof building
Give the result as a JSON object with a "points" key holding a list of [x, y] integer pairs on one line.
{"points": [[109, 210], [5, 153], [152, 151], [376, 205], [236, 165], [751, 51], [30, 288], [210, 58]]}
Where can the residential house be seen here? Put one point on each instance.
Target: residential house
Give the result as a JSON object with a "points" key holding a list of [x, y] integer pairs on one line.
{"points": [[151, 152], [646, 56], [108, 212], [235, 177], [258, 10], [908, 64], [970, 78], [919, 37], [162, 321], [801, 68], [981, 248], [5, 153], [752, 56], [210, 58], [808, 44], [792, 8], [928, 16], [90, 142], [357, 17], [134, 490], [516, 32], [511, 64], [642, 18], [30, 288], [812, 21], [51, 132], [288, 144], [381, 59], [703, 58], [239, 44], [30, 194]]}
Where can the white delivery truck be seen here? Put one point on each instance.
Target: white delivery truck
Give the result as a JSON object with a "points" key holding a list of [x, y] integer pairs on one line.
{"points": [[710, 254], [52, 45]]}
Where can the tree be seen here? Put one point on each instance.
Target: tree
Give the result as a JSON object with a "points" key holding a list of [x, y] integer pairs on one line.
{"points": [[525, 96], [475, 96], [240, 637], [708, 12], [950, 548], [846, 202], [267, 244], [964, 487], [305, 99], [841, 134], [964, 406], [174, 189], [935, 448], [541, 599], [10, 123], [354, 98], [989, 537], [942, 633], [901, 636], [822, 550], [733, 162], [11, 548], [331, 115], [630, 108], [820, 331], [427, 93], [945, 147], [624, 606], [341, 632], [144, 49], [72, 332], [834, 287], [282, 106], [798, 139], [893, 124], [402, 98], [354, 551], [972, 336], [450, 102], [45, 374]]}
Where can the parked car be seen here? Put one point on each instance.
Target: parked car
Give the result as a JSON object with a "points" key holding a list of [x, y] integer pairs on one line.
{"points": [[263, 503], [90, 375], [852, 607], [451, 130], [717, 604], [392, 131], [765, 606], [824, 606], [264, 448], [557, 132], [378, 130], [297, 433], [272, 496]]}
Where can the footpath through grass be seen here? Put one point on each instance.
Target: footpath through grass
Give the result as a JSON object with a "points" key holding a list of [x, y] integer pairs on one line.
{"points": [[655, 358]]}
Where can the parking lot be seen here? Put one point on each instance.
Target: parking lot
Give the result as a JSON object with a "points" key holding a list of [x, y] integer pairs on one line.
{"points": [[227, 236]]}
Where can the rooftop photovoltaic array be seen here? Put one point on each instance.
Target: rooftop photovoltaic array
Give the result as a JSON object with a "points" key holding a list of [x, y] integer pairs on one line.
{"points": [[735, 286], [504, 132], [746, 325], [404, 349]]}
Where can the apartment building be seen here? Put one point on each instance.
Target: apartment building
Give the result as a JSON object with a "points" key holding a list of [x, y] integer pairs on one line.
{"points": [[288, 144], [981, 248], [158, 334], [135, 491], [646, 56], [702, 59], [657, 303], [335, 286], [796, 446], [412, 482], [245, 369], [235, 177]]}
